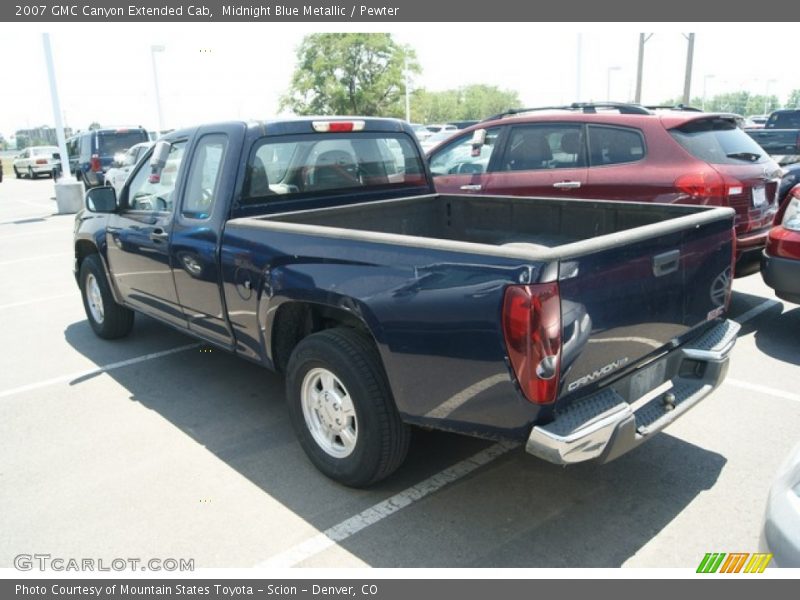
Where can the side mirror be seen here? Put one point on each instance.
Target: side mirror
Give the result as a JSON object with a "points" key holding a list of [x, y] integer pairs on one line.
{"points": [[101, 200], [478, 140]]}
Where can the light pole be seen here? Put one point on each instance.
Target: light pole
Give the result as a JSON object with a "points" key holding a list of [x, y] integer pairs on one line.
{"points": [[705, 85], [153, 49], [766, 95], [408, 98], [578, 66], [608, 82]]}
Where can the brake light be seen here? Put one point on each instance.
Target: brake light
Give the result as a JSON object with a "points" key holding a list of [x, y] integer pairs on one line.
{"points": [[95, 164], [532, 331], [41, 161], [337, 126], [707, 185]]}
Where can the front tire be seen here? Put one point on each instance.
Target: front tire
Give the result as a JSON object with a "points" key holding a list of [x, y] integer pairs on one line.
{"points": [[342, 409], [108, 319], [17, 174]]}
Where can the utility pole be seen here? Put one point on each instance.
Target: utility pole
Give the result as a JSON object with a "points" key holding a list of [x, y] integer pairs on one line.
{"points": [[153, 50], [687, 82], [408, 99], [578, 67], [643, 37]]}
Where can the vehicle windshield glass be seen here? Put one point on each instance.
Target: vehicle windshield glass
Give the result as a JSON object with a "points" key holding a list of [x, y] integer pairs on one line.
{"points": [[784, 120], [44, 151], [718, 141], [116, 141], [283, 168]]}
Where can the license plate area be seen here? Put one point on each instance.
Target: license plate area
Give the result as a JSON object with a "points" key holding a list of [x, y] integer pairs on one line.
{"points": [[647, 379], [759, 196]]}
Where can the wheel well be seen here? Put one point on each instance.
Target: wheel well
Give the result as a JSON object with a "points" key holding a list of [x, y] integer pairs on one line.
{"points": [[84, 248], [297, 320]]}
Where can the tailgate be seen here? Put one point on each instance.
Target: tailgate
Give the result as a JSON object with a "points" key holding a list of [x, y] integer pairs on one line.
{"points": [[626, 304]]}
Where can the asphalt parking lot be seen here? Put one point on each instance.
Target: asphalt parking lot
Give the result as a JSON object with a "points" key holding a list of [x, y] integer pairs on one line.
{"points": [[155, 446]]}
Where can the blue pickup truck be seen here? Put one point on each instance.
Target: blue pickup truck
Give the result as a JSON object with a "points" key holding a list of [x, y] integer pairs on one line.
{"points": [[318, 248]]}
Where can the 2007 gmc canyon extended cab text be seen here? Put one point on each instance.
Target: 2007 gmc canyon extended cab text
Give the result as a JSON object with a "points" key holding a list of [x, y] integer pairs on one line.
{"points": [[318, 248]]}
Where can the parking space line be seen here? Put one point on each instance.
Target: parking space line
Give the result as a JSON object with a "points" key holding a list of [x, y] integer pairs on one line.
{"points": [[74, 294], [96, 371], [763, 389], [41, 232], [755, 311], [30, 258], [338, 533]]}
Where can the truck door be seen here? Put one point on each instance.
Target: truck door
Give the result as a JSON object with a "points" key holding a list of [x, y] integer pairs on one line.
{"points": [[138, 240], [199, 222]]}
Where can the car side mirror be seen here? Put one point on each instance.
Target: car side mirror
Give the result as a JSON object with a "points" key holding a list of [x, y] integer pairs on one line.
{"points": [[101, 200], [478, 140]]}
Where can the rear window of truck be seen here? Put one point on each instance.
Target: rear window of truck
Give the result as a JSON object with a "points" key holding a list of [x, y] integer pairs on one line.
{"points": [[324, 164], [718, 141]]}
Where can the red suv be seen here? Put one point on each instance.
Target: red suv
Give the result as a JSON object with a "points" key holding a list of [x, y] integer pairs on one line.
{"points": [[618, 152]]}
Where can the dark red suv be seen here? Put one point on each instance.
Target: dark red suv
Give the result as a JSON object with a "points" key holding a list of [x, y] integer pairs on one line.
{"points": [[618, 152]]}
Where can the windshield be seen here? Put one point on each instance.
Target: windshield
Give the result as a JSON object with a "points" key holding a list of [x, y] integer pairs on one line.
{"points": [[282, 168], [718, 141], [44, 151], [784, 120], [112, 142]]}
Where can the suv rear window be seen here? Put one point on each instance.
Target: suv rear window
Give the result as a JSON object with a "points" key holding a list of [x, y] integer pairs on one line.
{"points": [[283, 168], [784, 120], [718, 141], [111, 142]]}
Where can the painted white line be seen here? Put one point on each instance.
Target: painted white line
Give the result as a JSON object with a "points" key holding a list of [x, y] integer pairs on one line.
{"points": [[40, 232], [74, 294], [95, 371], [755, 311], [42, 257], [381, 510], [762, 389]]}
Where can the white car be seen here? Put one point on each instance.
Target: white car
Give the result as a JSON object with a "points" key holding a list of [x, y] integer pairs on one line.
{"points": [[117, 175], [37, 160]]}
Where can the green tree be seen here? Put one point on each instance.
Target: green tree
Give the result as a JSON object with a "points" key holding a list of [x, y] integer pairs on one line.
{"points": [[94, 125], [350, 74], [794, 99], [742, 103], [476, 101]]}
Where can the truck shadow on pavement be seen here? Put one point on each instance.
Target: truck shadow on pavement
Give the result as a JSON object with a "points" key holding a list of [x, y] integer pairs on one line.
{"points": [[778, 336], [516, 511]]}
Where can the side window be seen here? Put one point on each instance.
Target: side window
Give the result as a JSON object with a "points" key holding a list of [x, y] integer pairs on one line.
{"points": [[155, 193], [458, 157], [614, 145], [204, 172], [557, 146]]}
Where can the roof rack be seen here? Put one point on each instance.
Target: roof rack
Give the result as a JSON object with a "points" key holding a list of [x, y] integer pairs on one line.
{"points": [[624, 108], [681, 107]]}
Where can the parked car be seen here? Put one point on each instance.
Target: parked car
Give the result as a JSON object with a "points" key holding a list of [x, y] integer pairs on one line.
{"points": [[618, 152], [421, 131], [37, 160], [781, 533], [756, 121], [780, 136], [780, 264], [436, 127], [791, 177], [463, 124], [318, 248], [436, 138], [123, 163], [91, 153]]}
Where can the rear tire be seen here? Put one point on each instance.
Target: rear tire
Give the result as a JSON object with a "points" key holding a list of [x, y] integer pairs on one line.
{"points": [[337, 374], [108, 319]]}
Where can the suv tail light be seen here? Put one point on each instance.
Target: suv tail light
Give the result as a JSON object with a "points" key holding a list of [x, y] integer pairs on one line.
{"points": [[41, 161], [532, 330], [706, 185], [95, 164]]}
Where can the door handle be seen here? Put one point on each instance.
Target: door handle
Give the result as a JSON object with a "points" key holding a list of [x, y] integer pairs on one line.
{"points": [[159, 235], [474, 187], [567, 185]]}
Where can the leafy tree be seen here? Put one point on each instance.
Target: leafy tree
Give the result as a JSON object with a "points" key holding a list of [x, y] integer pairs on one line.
{"points": [[743, 103], [94, 125], [350, 74], [476, 101], [794, 99]]}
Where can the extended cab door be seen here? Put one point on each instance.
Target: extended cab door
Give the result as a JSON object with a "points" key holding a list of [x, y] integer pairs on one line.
{"points": [[138, 239], [458, 168], [199, 222], [543, 159]]}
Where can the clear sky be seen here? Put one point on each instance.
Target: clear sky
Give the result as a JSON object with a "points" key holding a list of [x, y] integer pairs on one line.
{"points": [[224, 71]]}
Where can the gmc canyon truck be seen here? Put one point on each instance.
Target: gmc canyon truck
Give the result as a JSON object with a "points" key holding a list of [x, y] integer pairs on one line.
{"points": [[780, 136], [318, 248]]}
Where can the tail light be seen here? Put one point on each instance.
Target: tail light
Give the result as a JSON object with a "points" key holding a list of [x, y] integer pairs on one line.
{"points": [[95, 164], [532, 330], [703, 185], [337, 126], [41, 161]]}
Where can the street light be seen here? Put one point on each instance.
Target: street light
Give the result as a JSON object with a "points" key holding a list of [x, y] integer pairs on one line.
{"points": [[153, 49], [608, 83], [705, 84]]}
